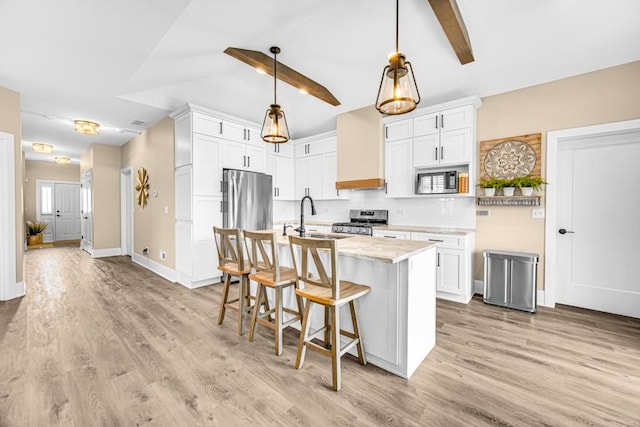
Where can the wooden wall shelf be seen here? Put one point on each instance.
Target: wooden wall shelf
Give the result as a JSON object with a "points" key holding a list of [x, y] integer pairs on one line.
{"points": [[509, 201]]}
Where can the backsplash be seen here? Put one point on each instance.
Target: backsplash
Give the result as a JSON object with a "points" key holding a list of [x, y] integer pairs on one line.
{"points": [[428, 211]]}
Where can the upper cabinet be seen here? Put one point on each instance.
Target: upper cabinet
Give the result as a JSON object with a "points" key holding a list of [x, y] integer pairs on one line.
{"points": [[316, 168], [439, 137]]}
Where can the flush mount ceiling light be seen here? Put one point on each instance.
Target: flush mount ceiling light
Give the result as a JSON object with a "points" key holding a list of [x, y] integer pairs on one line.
{"points": [[62, 160], [41, 147], [274, 128], [86, 127], [398, 92]]}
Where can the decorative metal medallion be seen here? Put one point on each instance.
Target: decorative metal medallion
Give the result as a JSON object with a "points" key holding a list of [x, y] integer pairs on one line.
{"points": [[510, 159], [142, 187]]}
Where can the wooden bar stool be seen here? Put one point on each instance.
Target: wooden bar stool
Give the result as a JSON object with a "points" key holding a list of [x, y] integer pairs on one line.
{"points": [[318, 287], [232, 262], [262, 248]]}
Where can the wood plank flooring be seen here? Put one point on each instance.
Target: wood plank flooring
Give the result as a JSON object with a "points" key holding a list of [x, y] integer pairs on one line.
{"points": [[106, 342]]}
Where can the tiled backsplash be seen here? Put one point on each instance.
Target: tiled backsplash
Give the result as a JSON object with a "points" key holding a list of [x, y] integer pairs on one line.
{"points": [[428, 211]]}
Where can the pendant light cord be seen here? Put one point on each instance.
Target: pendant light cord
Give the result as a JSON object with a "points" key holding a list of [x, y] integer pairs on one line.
{"points": [[275, 79], [397, 24]]}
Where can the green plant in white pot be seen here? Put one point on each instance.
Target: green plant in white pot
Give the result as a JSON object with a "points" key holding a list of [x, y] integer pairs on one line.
{"points": [[529, 184], [508, 188], [490, 185]]}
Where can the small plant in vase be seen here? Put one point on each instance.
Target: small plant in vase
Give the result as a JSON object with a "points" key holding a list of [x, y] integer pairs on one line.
{"points": [[490, 185], [529, 184], [35, 230], [509, 187]]}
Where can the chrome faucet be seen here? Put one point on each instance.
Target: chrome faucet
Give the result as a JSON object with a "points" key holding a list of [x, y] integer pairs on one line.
{"points": [[313, 212]]}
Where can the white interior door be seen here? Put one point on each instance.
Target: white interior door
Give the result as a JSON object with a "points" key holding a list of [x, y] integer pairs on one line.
{"points": [[68, 206], [86, 218], [597, 245]]}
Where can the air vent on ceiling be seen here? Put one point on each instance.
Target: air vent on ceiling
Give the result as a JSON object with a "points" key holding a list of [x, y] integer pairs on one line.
{"points": [[138, 123]]}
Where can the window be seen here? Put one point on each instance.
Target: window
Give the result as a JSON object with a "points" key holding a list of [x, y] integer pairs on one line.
{"points": [[46, 200]]}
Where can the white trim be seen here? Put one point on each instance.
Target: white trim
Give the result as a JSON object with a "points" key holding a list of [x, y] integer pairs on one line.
{"points": [[553, 140], [103, 253], [9, 289], [186, 281], [157, 268], [124, 202]]}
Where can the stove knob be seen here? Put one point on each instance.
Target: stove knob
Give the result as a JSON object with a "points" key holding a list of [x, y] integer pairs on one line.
{"points": [[348, 229]]}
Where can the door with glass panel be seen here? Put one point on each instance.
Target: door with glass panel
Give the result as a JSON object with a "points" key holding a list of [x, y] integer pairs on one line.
{"points": [[45, 205]]}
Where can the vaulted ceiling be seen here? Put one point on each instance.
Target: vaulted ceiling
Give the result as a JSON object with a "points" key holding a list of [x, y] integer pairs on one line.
{"points": [[119, 62]]}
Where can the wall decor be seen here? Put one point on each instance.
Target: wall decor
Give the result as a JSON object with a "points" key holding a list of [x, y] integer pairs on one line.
{"points": [[142, 187], [511, 157]]}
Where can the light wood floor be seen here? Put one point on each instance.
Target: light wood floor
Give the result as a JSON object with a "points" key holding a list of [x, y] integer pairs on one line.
{"points": [[105, 342]]}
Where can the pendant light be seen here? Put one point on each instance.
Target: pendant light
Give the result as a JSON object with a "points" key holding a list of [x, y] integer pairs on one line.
{"points": [[398, 92], [274, 128]]}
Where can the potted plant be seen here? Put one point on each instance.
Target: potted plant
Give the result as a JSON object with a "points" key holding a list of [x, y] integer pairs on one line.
{"points": [[527, 184], [34, 230], [509, 188], [490, 185]]}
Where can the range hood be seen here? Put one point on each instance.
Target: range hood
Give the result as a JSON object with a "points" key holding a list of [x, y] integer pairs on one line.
{"points": [[360, 150]]}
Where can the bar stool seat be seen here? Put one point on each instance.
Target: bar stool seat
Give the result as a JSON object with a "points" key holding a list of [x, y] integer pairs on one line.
{"points": [[323, 286], [262, 248], [232, 262]]}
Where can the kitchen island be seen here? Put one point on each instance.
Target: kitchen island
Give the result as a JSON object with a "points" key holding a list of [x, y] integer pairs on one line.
{"points": [[397, 318]]}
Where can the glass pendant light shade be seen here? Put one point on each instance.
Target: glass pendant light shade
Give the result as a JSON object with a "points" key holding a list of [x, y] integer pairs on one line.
{"points": [[398, 92], [274, 127]]}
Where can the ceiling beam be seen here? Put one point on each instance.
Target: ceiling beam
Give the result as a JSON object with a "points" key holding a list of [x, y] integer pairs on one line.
{"points": [[288, 75], [452, 23]]}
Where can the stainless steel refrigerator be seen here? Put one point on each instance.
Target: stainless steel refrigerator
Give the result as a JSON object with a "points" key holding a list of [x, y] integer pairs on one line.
{"points": [[247, 202]]}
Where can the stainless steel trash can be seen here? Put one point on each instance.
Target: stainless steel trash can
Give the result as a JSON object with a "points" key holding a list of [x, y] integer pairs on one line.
{"points": [[510, 279]]}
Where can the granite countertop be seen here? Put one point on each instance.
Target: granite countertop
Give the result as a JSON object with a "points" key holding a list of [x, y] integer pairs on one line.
{"points": [[374, 248]]}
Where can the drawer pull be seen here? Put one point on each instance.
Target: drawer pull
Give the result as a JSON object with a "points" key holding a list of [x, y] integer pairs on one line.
{"points": [[436, 240]]}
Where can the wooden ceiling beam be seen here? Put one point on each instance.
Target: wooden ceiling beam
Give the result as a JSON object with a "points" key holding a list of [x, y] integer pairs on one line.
{"points": [[288, 75], [452, 23]]}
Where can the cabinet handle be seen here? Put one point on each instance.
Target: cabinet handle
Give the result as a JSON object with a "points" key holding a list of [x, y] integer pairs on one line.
{"points": [[442, 121], [248, 134], [386, 188], [220, 128], [436, 240], [274, 191], [391, 237], [436, 153], [244, 134], [386, 132], [221, 206], [436, 121], [441, 153], [248, 161], [244, 160], [221, 186], [278, 188], [438, 261]]}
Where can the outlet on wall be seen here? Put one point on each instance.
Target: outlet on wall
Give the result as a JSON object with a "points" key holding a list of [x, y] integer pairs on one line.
{"points": [[145, 251], [163, 255]]}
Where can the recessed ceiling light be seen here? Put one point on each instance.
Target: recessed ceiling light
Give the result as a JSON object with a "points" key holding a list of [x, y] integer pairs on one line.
{"points": [[41, 147], [86, 127]]}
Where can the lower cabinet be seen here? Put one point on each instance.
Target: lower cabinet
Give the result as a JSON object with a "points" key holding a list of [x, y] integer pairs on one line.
{"points": [[392, 234], [454, 279]]}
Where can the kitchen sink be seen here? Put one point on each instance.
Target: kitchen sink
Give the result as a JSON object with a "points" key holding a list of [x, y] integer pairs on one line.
{"points": [[326, 236]]}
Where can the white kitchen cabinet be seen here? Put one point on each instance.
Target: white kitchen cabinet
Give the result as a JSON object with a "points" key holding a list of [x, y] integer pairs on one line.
{"points": [[444, 138], [280, 168], [207, 169], [309, 148], [397, 130], [206, 124], [308, 172], [392, 234], [329, 178], [232, 131], [454, 280], [399, 174], [244, 156]]}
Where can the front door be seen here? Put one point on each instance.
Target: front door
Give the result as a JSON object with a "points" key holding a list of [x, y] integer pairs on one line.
{"points": [[598, 231], [67, 204]]}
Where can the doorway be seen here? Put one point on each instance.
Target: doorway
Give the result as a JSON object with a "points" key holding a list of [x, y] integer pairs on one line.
{"points": [[86, 221], [592, 229], [58, 205], [126, 210]]}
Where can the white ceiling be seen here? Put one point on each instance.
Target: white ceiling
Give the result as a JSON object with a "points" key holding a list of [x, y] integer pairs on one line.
{"points": [[117, 61]]}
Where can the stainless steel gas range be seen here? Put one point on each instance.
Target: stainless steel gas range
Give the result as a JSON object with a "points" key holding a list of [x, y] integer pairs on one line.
{"points": [[361, 222]]}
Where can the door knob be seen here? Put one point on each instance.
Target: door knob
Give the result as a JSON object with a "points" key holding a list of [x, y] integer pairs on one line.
{"points": [[563, 231], [57, 215]]}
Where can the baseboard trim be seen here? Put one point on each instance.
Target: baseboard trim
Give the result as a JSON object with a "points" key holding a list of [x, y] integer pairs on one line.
{"points": [[186, 281], [16, 291], [157, 268], [103, 253], [478, 286]]}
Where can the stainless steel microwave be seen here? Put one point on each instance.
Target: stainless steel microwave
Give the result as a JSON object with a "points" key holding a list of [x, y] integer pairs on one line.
{"points": [[437, 182]]}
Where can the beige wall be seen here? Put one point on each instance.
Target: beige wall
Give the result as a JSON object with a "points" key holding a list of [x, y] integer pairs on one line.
{"points": [[605, 96], [10, 123], [104, 162], [47, 171], [153, 228]]}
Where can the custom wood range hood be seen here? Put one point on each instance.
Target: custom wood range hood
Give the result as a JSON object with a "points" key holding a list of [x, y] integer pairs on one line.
{"points": [[360, 149]]}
